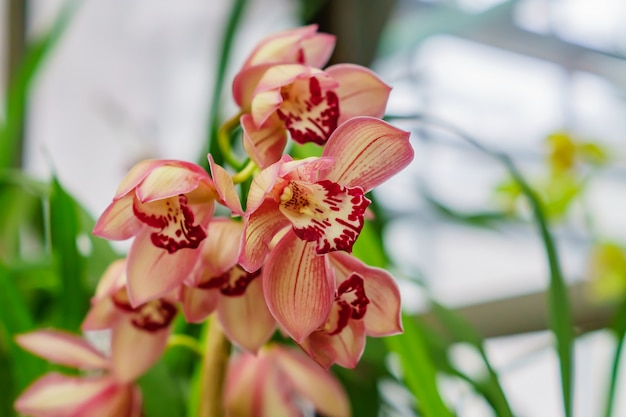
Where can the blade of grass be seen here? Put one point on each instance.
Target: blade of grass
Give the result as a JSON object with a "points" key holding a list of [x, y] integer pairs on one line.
{"points": [[419, 371], [559, 311], [230, 31], [618, 328], [64, 232], [17, 96], [462, 331]]}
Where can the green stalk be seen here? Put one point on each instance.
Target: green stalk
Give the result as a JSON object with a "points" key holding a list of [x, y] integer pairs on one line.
{"points": [[213, 371]]}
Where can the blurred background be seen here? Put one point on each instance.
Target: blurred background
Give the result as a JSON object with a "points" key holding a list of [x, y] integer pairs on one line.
{"points": [[543, 81]]}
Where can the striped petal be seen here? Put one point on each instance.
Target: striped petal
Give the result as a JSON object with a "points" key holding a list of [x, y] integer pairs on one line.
{"points": [[63, 348], [118, 222], [55, 395], [170, 179], [153, 272], [225, 188], [298, 286], [368, 151], [301, 45], [198, 303], [261, 227], [264, 144], [134, 350], [245, 318], [344, 348], [312, 382]]}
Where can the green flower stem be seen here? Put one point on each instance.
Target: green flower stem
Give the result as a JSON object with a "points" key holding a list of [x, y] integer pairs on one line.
{"points": [[215, 360], [245, 173], [186, 341], [223, 141]]}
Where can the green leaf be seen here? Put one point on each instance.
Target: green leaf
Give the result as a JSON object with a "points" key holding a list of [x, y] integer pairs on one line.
{"points": [[70, 264], [463, 332], [559, 310], [618, 328], [418, 368]]}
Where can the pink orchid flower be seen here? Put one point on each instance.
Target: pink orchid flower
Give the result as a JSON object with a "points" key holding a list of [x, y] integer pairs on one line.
{"points": [[219, 284], [100, 392], [321, 203], [367, 302], [281, 382], [166, 205], [146, 326], [280, 89]]}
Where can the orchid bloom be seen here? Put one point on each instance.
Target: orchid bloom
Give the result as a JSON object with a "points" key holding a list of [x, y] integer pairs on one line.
{"points": [[367, 302], [166, 205], [281, 381], [321, 203], [99, 393], [219, 283], [282, 88], [146, 326]]}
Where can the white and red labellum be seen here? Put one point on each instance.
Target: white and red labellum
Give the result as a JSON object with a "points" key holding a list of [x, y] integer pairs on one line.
{"points": [[324, 212], [309, 113], [350, 303], [174, 220]]}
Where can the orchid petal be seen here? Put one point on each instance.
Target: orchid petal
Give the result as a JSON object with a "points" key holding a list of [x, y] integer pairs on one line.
{"points": [[137, 174], [324, 212], [298, 286], [262, 184], [383, 316], [254, 387], [198, 303], [225, 188], [344, 348], [220, 251], [264, 144], [127, 341], [301, 45], [278, 76], [313, 382], [171, 179], [244, 84], [264, 104], [245, 318], [360, 91], [115, 400], [153, 271], [118, 222], [55, 394], [260, 229], [63, 348], [113, 279], [368, 151], [103, 314]]}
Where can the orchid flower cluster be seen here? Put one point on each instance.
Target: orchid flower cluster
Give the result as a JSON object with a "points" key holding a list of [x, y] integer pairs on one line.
{"points": [[282, 263]]}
